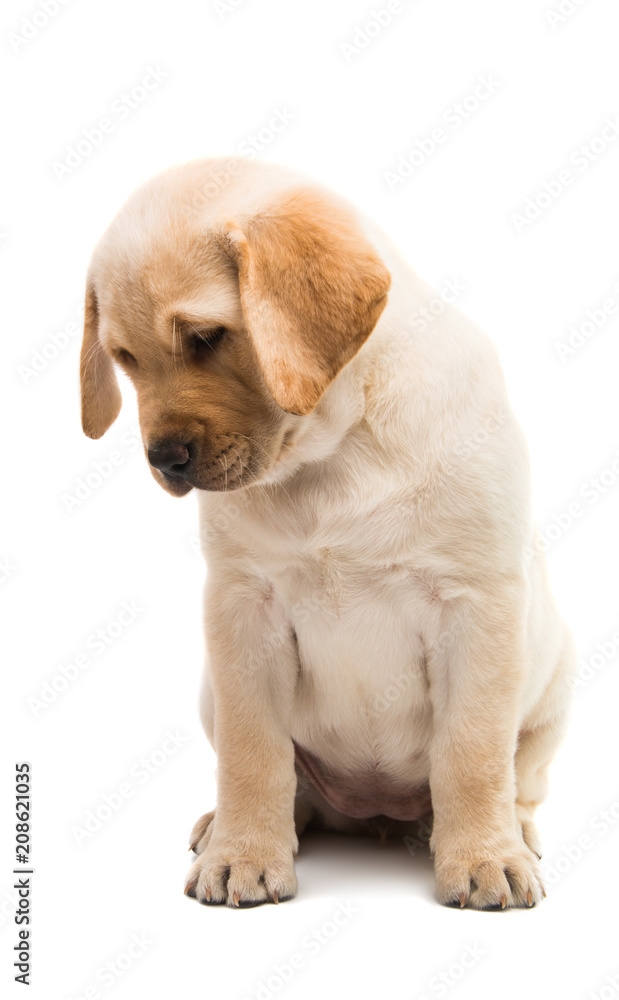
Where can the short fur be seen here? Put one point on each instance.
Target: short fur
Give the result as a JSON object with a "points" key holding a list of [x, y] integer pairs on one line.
{"points": [[381, 634]]}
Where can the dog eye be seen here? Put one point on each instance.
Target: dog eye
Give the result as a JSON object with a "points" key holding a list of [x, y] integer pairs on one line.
{"points": [[125, 358], [205, 341]]}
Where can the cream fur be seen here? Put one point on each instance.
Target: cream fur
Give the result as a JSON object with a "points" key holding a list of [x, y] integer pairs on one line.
{"points": [[377, 594]]}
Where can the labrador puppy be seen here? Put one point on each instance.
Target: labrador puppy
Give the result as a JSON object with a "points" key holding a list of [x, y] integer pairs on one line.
{"points": [[382, 640]]}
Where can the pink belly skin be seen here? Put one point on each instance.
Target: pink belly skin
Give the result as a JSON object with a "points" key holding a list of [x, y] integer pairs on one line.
{"points": [[364, 796]]}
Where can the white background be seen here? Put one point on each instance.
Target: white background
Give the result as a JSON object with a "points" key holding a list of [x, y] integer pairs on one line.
{"points": [[66, 573]]}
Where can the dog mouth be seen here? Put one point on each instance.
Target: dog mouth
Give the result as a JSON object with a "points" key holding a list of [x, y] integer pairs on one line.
{"points": [[176, 485], [233, 466], [226, 481]]}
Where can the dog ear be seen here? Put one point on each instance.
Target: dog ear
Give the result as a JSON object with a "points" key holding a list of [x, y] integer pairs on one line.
{"points": [[101, 399], [312, 290]]}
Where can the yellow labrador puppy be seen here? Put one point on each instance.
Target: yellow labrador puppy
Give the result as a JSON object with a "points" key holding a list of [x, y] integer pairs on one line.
{"points": [[382, 639]]}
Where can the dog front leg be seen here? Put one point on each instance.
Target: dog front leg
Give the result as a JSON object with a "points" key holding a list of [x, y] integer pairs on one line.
{"points": [[247, 857], [476, 681]]}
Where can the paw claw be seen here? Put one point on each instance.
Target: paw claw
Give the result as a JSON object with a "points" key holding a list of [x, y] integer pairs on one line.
{"points": [[242, 878], [462, 898], [529, 898]]}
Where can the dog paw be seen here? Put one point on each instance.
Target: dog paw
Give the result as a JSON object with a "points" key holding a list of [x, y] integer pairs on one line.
{"points": [[531, 837], [529, 830], [201, 833], [241, 877], [490, 879]]}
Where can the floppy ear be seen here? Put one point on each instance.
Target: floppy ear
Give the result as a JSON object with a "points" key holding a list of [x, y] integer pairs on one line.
{"points": [[312, 290], [101, 398]]}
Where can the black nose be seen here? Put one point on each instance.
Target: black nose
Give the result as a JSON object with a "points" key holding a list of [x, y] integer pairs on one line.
{"points": [[171, 457]]}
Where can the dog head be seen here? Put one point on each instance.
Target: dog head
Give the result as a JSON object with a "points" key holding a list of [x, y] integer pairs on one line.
{"points": [[231, 313]]}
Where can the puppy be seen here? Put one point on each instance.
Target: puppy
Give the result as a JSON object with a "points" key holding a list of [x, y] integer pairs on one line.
{"points": [[383, 644]]}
